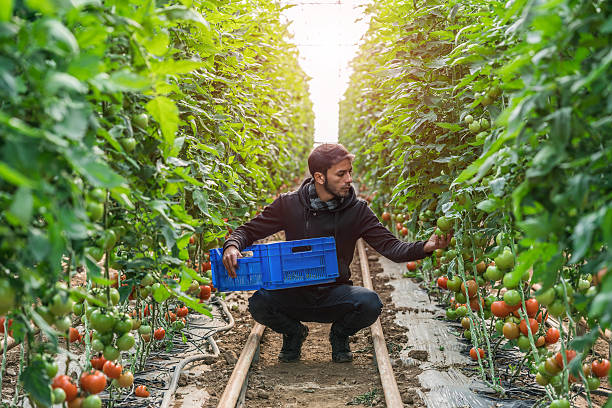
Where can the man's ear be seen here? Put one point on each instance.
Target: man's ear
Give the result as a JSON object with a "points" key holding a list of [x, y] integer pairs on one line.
{"points": [[319, 177]]}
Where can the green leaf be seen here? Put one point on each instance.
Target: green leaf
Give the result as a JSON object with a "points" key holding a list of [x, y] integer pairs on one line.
{"points": [[450, 126], [161, 294], [6, 10], [171, 67], [489, 205], [97, 172], [22, 205], [13, 176], [36, 382], [165, 112]]}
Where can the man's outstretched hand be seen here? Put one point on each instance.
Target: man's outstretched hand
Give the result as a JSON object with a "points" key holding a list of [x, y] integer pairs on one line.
{"points": [[230, 260], [437, 242]]}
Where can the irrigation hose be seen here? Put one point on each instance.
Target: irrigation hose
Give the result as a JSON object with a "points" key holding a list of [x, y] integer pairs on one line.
{"points": [[179, 368]]}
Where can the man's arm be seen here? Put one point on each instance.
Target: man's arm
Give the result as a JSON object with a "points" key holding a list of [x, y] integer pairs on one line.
{"points": [[265, 224], [383, 241]]}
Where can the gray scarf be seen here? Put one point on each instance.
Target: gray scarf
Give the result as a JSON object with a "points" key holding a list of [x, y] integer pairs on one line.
{"points": [[317, 204]]}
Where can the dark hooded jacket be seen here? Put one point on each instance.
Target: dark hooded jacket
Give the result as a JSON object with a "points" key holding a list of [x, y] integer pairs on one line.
{"points": [[351, 220]]}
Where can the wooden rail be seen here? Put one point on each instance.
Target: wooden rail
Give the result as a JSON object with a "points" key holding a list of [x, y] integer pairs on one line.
{"points": [[393, 398], [239, 375]]}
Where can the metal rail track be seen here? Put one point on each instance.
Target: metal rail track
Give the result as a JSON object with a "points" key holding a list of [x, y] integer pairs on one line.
{"points": [[233, 395]]}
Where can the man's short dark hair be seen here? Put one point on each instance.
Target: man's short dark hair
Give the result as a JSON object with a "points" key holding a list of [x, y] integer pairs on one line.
{"points": [[325, 156]]}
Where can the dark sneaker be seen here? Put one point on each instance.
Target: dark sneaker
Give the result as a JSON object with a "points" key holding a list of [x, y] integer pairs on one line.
{"points": [[292, 345], [341, 351]]}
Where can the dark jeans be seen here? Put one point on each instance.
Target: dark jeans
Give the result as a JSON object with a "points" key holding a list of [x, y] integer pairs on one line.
{"points": [[349, 308]]}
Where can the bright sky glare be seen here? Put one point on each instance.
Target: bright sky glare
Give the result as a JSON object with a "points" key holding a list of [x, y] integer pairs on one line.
{"points": [[327, 33]]}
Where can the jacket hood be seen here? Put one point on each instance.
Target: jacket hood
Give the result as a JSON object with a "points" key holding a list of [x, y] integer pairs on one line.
{"points": [[348, 201]]}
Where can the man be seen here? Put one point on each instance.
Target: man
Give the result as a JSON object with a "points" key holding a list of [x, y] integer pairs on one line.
{"points": [[324, 205]]}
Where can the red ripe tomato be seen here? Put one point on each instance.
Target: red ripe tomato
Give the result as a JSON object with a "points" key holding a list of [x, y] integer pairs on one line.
{"points": [[442, 282], [600, 367], [65, 383], [182, 311], [386, 216], [399, 226], [532, 323], [170, 316], [204, 292], [411, 266], [141, 391], [159, 334], [93, 381], [540, 341], [9, 324], [499, 309], [206, 266], [404, 231], [552, 335], [98, 362], [75, 335], [474, 354], [192, 240], [569, 355], [212, 288], [532, 306], [112, 370]]}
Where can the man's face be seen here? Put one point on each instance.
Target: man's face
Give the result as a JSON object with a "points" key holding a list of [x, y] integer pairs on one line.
{"points": [[339, 179]]}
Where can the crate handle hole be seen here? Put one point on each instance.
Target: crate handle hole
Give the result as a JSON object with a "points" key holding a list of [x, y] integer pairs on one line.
{"points": [[247, 254], [304, 248]]}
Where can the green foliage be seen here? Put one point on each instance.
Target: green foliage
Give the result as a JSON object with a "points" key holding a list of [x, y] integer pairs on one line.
{"points": [[494, 114], [151, 120]]}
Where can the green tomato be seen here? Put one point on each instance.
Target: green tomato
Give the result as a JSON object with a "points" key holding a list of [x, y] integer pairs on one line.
{"points": [[445, 224], [97, 345], [505, 260], [493, 273], [499, 326], [512, 297], [593, 383], [583, 285], [92, 401], [95, 211], [546, 297], [114, 296], [461, 311], [468, 119], [178, 325], [123, 325], [560, 403], [144, 329], [97, 194], [454, 284], [460, 297], [105, 338], [128, 143], [63, 323], [451, 314], [141, 120], [148, 280], [511, 280], [51, 368], [60, 305], [557, 308], [78, 309], [467, 334], [484, 124], [438, 231], [59, 395], [111, 353], [102, 322], [523, 343], [127, 341]]}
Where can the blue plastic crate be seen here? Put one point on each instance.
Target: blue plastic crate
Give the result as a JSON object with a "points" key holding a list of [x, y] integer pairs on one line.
{"points": [[279, 265]]}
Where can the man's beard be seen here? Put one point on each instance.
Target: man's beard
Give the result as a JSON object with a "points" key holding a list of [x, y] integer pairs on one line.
{"points": [[336, 195]]}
